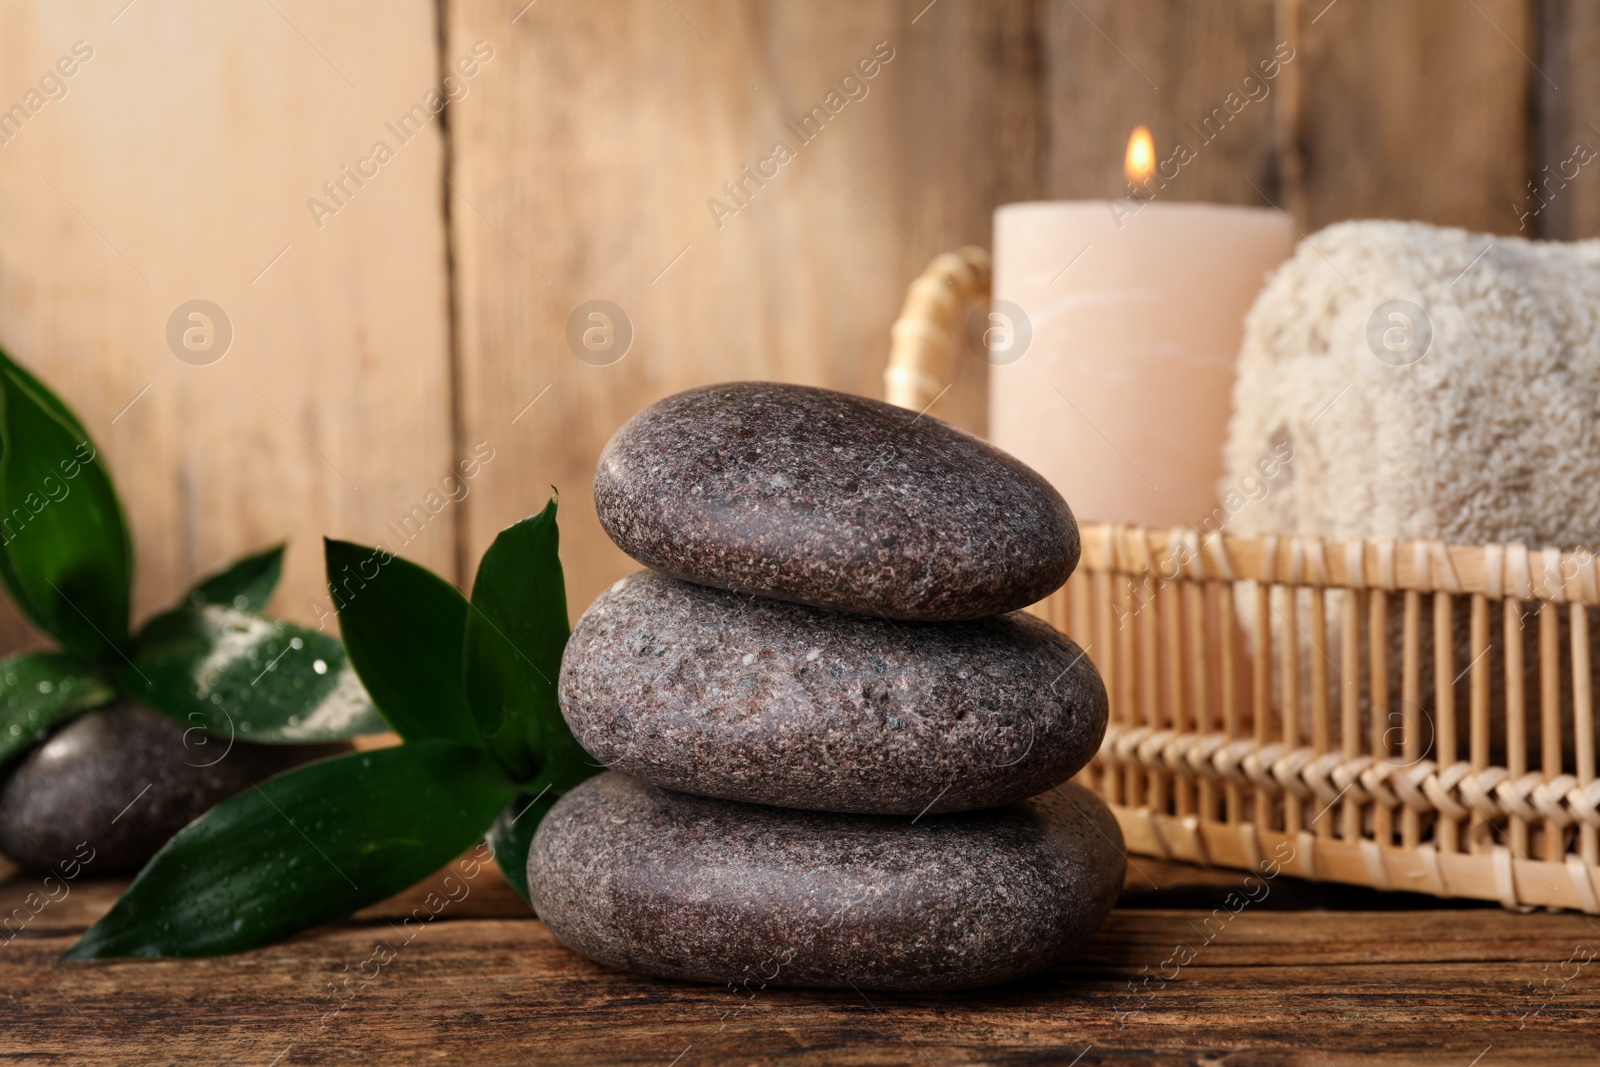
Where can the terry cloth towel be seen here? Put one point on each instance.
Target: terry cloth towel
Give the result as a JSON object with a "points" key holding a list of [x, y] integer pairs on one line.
{"points": [[1432, 384]]}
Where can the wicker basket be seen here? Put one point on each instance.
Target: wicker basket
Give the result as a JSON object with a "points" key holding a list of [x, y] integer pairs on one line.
{"points": [[1287, 731]]}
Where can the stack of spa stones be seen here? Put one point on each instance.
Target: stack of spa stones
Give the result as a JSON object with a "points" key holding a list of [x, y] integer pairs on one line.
{"points": [[838, 749]]}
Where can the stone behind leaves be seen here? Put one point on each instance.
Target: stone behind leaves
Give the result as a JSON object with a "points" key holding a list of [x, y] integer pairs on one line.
{"points": [[87, 783], [832, 500], [636, 877], [708, 692]]}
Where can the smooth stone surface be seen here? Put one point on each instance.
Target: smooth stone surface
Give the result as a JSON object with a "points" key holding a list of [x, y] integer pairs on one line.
{"points": [[86, 783], [636, 877], [708, 692], [833, 500]]}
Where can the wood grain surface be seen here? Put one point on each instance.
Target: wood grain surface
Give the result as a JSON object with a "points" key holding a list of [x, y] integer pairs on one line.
{"points": [[1308, 974], [589, 166], [586, 165], [1178, 68], [177, 166], [1566, 201], [1416, 109], [425, 323]]}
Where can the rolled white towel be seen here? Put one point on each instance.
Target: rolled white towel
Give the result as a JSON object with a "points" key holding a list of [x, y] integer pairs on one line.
{"points": [[1432, 384], [1487, 436]]}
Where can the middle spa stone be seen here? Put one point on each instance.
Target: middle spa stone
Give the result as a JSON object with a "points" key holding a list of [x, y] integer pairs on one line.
{"points": [[721, 695]]}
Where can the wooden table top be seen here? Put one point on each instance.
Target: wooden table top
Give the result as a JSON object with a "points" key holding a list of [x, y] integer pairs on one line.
{"points": [[1303, 974]]}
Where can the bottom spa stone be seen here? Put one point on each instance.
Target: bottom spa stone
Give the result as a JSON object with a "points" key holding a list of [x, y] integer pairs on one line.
{"points": [[678, 886]]}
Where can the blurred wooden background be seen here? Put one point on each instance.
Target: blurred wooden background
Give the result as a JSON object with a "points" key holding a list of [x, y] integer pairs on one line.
{"points": [[423, 323]]}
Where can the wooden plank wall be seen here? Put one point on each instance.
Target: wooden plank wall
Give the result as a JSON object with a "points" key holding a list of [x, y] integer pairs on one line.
{"points": [[178, 166], [1417, 109], [1165, 65], [1568, 95], [584, 171], [426, 322]]}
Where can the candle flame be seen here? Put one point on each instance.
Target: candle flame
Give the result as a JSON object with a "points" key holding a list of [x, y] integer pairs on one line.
{"points": [[1140, 161]]}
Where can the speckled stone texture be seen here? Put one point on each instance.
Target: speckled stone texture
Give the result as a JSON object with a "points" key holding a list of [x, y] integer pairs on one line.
{"points": [[708, 692], [832, 500], [86, 783], [637, 877]]}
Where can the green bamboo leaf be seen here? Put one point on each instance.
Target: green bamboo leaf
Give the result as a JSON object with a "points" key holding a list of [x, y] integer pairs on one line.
{"points": [[402, 627], [39, 690], [246, 584], [562, 764], [512, 833], [67, 560], [308, 846], [514, 638], [241, 675]]}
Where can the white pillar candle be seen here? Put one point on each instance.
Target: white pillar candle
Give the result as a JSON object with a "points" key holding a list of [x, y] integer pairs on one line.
{"points": [[1122, 396]]}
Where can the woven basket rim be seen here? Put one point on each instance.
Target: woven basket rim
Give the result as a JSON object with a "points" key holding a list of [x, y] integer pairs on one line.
{"points": [[1498, 571]]}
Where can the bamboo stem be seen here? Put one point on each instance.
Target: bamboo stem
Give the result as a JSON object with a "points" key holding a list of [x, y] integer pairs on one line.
{"points": [[1261, 690], [1516, 715], [1289, 716], [1231, 636], [1178, 702], [1350, 702], [1320, 726], [1550, 715], [1127, 678], [1478, 829], [1411, 706], [1157, 794], [1378, 665], [1444, 701], [1583, 723], [1194, 601]]}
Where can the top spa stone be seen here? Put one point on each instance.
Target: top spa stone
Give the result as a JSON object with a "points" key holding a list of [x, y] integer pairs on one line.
{"points": [[832, 500]]}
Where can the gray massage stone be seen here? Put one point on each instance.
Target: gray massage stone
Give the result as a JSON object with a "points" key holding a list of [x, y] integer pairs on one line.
{"points": [[832, 500], [87, 784], [708, 692], [640, 878]]}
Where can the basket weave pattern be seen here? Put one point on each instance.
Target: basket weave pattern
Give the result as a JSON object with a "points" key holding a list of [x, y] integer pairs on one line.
{"points": [[1208, 758], [1234, 733]]}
